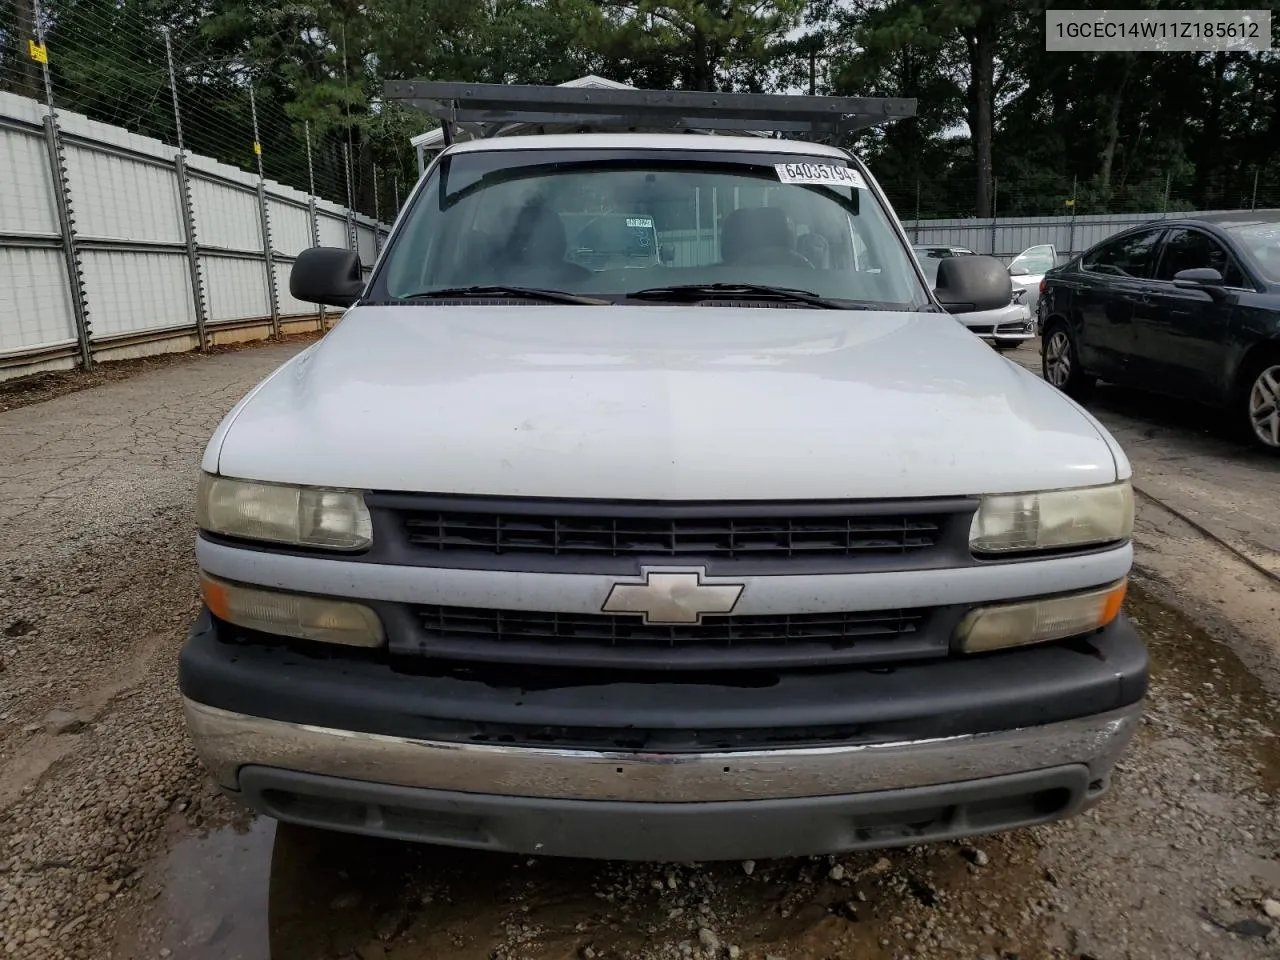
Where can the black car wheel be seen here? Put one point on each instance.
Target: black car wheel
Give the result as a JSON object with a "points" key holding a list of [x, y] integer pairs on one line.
{"points": [[1260, 402], [1060, 362]]}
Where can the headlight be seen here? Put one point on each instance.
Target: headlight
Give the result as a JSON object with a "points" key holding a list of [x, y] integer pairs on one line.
{"points": [[1040, 621], [292, 615], [300, 516], [1053, 520]]}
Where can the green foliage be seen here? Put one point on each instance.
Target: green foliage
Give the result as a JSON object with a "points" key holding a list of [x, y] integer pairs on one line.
{"points": [[1001, 124]]}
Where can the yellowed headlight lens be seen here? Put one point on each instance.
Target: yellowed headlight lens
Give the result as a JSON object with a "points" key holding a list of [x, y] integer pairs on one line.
{"points": [[293, 615], [1054, 519], [280, 513], [1039, 621]]}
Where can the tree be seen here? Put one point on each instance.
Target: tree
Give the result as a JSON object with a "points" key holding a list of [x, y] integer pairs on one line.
{"points": [[690, 44], [883, 32], [18, 72]]}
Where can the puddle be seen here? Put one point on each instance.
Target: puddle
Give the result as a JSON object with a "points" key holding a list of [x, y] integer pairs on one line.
{"points": [[208, 897]]}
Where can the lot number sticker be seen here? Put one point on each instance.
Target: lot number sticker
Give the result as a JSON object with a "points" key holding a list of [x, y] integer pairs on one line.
{"points": [[827, 174]]}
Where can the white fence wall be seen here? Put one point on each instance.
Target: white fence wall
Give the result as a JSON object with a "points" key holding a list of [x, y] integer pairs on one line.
{"points": [[1009, 236], [130, 238]]}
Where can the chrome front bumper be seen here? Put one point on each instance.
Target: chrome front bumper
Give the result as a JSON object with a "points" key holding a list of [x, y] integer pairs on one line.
{"points": [[1007, 324], [228, 742]]}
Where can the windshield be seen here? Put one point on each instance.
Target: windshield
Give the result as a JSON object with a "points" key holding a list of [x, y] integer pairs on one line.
{"points": [[610, 223], [1262, 240]]}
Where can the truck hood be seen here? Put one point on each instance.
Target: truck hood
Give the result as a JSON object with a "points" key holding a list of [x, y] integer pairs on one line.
{"points": [[667, 403]]}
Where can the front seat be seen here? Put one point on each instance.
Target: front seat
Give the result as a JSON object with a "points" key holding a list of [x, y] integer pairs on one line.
{"points": [[758, 236], [536, 244]]}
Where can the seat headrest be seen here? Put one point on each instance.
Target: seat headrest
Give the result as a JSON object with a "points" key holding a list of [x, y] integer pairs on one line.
{"points": [[537, 236], [752, 229]]}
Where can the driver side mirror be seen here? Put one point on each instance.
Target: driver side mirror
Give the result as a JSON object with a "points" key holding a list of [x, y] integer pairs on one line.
{"points": [[1019, 272], [332, 276], [1200, 278], [972, 283], [667, 253]]}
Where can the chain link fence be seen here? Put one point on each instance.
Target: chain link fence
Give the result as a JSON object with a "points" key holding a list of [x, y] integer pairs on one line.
{"points": [[120, 64], [157, 188]]}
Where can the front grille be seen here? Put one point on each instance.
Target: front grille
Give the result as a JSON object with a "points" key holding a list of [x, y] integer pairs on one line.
{"points": [[704, 538], [606, 640]]}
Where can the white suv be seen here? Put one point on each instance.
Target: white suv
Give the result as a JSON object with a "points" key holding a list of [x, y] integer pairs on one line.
{"points": [[659, 562], [1005, 327]]}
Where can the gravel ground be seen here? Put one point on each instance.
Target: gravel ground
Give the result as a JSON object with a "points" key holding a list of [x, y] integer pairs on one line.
{"points": [[113, 846]]}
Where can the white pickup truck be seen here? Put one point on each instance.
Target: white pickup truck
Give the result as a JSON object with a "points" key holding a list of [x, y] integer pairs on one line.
{"points": [[657, 557]]}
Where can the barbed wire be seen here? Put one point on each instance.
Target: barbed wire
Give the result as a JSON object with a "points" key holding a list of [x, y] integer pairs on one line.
{"points": [[113, 65]]}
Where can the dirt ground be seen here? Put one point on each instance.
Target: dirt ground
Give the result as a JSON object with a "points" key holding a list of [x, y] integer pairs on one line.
{"points": [[113, 845], [24, 391]]}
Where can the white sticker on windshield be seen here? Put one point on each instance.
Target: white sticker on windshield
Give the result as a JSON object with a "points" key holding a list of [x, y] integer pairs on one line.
{"points": [[643, 222], [828, 174]]}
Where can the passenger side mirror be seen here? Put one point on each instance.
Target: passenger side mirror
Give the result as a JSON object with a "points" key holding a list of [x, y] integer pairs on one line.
{"points": [[329, 275], [1200, 278], [667, 253], [1019, 272], [970, 284]]}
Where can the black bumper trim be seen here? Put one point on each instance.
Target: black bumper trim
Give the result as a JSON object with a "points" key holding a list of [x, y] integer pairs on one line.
{"points": [[589, 709]]}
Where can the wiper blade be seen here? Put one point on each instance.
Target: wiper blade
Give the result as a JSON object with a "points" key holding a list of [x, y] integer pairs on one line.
{"points": [[531, 293], [701, 291]]}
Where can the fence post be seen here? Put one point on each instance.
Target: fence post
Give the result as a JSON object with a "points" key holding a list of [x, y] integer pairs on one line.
{"points": [[377, 215], [1071, 235], [915, 228], [268, 254], [193, 249], [995, 188], [62, 198], [313, 216], [395, 191], [1253, 204], [1164, 210], [188, 207], [70, 250], [352, 238]]}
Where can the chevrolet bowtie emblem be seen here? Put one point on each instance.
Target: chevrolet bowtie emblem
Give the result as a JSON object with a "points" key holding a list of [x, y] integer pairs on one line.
{"points": [[672, 596]]}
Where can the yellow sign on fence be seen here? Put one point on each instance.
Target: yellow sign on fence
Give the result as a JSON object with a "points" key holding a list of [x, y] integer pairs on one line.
{"points": [[37, 51], [257, 148]]}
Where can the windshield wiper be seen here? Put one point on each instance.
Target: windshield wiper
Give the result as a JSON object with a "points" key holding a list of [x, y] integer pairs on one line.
{"points": [[702, 291], [497, 290]]}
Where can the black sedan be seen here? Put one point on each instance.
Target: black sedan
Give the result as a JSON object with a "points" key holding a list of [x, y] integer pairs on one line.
{"points": [[1188, 308]]}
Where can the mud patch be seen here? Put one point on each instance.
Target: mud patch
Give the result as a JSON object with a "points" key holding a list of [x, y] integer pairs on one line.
{"points": [[39, 387]]}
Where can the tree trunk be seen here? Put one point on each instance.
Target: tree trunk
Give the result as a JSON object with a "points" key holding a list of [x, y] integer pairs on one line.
{"points": [[28, 81], [1207, 153], [702, 69], [1111, 126], [981, 43]]}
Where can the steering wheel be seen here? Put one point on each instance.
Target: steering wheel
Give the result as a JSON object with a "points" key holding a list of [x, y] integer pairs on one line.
{"points": [[820, 248]]}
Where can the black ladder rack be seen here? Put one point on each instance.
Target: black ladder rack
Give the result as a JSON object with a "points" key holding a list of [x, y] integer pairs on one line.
{"points": [[484, 109]]}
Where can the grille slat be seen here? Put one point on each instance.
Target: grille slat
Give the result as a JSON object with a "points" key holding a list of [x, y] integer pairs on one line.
{"points": [[709, 538], [725, 631], [597, 640]]}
